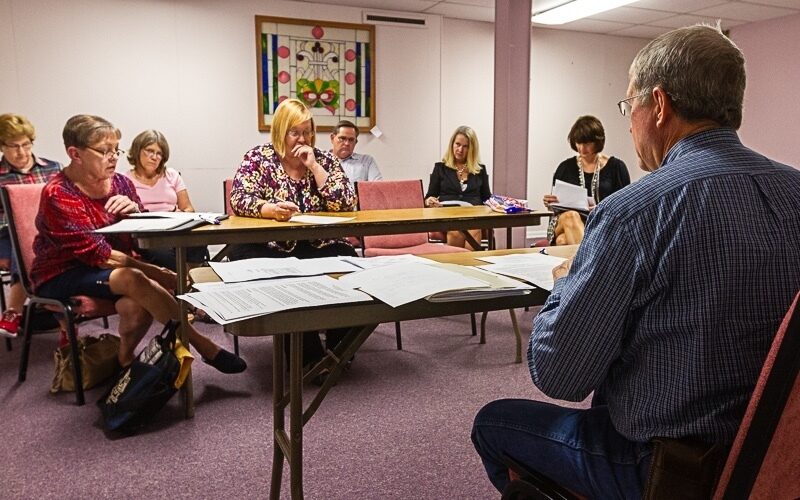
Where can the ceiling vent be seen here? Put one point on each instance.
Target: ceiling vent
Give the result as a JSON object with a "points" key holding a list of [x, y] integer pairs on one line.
{"points": [[394, 19]]}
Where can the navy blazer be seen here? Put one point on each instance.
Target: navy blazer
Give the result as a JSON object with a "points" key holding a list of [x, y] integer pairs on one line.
{"points": [[445, 185]]}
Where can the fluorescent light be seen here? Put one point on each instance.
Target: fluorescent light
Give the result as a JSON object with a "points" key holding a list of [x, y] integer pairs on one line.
{"points": [[576, 9]]}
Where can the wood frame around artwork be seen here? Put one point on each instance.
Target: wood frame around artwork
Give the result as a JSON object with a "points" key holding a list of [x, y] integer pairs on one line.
{"points": [[340, 57]]}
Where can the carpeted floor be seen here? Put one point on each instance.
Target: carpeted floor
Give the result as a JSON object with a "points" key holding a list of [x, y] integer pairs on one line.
{"points": [[396, 426]]}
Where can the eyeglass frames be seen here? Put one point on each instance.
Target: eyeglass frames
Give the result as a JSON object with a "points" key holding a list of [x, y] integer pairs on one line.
{"points": [[108, 155], [625, 105], [27, 146]]}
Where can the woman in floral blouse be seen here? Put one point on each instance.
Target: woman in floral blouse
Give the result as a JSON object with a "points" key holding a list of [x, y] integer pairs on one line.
{"points": [[286, 177]]}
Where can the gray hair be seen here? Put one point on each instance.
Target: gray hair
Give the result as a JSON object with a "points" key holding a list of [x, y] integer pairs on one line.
{"points": [[701, 70]]}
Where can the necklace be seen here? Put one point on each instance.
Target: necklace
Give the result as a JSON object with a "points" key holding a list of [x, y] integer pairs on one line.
{"points": [[595, 178]]}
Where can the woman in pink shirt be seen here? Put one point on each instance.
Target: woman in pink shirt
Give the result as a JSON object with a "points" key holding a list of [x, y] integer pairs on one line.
{"points": [[161, 189]]}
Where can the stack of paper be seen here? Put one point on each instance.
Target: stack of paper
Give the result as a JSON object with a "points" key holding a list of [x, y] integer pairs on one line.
{"points": [[162, 221], [433, 281], [227, 303], [570, 197], [266, 268]]}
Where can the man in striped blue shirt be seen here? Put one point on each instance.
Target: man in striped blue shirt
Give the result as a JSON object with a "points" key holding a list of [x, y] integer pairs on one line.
{"points": [[670, 305]]}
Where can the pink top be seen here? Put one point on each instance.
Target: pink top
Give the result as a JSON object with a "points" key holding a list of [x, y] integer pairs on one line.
{"points": [[163, 195]]}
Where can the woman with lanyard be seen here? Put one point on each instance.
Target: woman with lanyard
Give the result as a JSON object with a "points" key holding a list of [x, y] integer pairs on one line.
{"points": [[598, 174]]}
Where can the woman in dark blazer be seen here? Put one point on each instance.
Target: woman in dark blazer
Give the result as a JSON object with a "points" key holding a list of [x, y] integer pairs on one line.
{"points": [[459, 179]]}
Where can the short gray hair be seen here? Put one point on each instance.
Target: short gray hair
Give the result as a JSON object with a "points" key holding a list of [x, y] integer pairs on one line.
{"points": [[701, 70]]}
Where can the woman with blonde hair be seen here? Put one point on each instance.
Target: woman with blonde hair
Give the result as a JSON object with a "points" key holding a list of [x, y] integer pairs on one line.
{"points": [[289, 176], [459, 178]]}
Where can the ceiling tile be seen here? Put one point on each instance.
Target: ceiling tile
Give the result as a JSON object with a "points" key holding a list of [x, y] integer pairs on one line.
{"points": [[746, 11], [632, 15], [689, 20], [679, 6], [641, 31], [462, 11]]}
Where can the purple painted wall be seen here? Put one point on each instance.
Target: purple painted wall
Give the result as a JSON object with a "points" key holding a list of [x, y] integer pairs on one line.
{"points": [[772, 101]]}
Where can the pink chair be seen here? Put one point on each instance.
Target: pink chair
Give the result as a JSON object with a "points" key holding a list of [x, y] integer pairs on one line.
{"points": [[21, 202], [382, 195], [764, 461]]}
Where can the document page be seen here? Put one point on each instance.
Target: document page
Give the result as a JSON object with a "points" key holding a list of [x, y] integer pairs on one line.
{"points": [[532, 267], [384, 260], [235, 302], [319, 219], [401, 283], [570, 196], [265, 268], [141, 224]]}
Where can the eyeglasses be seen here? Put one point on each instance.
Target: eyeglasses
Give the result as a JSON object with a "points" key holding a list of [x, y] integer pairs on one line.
{"points": [[346, 140], [153, 154], [27, 146], [295, 134], [108, 155], [625, 105]]}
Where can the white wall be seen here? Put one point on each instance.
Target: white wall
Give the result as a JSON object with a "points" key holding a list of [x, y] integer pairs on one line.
{"points": [[771, 107], [188, 69]]}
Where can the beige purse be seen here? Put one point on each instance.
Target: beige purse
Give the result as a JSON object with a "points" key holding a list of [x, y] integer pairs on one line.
{"points": [[98, 357]]}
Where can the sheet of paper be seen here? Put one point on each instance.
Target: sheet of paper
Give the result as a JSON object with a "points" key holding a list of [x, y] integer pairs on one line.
{"points": [[401, 283], [141, 224], [178, 215], [535, 259], [455, 203], [385, 260], [319, 219], [265, 268], [539, 273], [235, 302], [570, 195]]}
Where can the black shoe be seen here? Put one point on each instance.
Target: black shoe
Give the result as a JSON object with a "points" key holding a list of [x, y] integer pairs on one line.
{"points": [[227, 362]]}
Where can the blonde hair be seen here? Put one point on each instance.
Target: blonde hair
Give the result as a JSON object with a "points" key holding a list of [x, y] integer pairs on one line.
{"points": [[290, 113], [145, 139], [13, 126], [473, 153]]}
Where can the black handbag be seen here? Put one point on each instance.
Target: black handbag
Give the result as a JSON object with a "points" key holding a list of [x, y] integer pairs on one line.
{"points": [[144, 387]]}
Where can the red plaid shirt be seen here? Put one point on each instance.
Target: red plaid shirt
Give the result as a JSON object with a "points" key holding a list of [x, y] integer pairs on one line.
{"points": [[41, 172], [66, 222]]}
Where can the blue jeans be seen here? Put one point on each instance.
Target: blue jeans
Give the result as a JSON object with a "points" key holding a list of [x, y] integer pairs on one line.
{"points": [[578, 449]]}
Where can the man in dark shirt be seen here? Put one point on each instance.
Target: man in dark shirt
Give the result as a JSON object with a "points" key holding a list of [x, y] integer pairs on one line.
{"points": [[670, 305]]}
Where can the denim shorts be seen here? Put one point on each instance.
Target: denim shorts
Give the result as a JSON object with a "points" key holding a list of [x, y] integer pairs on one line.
{"points": [[83, 280]]}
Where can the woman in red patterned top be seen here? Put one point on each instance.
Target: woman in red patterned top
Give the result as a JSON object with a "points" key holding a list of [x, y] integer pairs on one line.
{"points": [[71, 259]]}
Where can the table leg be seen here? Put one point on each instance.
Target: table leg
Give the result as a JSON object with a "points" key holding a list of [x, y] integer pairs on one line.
{"points": [[469, 239], [278, 422], [187, 391], [296, 415], [517, 334]]}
